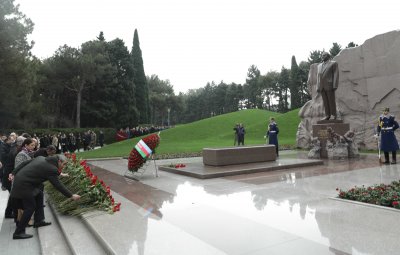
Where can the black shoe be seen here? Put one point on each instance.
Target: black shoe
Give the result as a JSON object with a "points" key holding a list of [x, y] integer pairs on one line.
{"points": [[9, 216], [41, 224], [386, 162], [393, 162], [21, 236]]}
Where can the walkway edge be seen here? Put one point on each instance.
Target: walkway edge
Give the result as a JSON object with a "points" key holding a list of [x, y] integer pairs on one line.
{"points": [[366, 204]]}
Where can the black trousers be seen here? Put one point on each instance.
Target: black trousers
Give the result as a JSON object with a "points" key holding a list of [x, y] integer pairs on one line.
{"points": [[387, 156], [7, 184], [31, 204]]}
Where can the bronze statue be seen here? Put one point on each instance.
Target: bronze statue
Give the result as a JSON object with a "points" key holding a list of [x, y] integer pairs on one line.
{"points": [[327, 83]]}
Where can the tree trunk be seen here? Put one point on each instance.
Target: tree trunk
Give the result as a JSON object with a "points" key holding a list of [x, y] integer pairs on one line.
{"points": [[78, 106]]}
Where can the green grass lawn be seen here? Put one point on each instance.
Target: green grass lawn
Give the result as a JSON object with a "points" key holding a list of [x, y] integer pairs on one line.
{"points": [[212, 132]]}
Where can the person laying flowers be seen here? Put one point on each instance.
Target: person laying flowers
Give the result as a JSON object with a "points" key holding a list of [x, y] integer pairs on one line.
{"points": [[28, 179]]}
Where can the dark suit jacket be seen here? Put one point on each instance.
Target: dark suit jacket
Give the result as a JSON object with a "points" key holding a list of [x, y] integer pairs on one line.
{"points": [[29, 178], [328, 76]]}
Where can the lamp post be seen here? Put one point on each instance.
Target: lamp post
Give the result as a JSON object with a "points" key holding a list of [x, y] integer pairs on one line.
{"points": [[168, 109]]}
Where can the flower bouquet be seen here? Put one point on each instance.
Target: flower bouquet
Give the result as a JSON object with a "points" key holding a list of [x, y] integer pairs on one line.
{"points": [[141, 152], [95, 194], [177, 165], [384, 195]]}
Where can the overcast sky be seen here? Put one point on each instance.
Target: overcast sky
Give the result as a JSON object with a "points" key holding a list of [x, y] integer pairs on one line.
{"points": [[192, 42]]}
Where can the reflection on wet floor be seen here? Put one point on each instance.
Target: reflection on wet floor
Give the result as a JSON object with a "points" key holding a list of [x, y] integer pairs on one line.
{"points": [[273, 212]]}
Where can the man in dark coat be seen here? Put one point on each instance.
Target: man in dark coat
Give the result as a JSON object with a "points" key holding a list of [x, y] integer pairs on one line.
{"points": [[28, 181], [8, 153], [241, 133], [48, 151], [101, 138], [236, 132], [386, 127]]}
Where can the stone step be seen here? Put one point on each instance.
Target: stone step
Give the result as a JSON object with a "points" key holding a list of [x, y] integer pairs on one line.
{"points": [[51, 237], [7, 244], [76, 235], [128, 227]]}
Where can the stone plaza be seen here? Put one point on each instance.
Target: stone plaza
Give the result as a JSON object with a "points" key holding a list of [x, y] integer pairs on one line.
{"points": [[286, 211]]}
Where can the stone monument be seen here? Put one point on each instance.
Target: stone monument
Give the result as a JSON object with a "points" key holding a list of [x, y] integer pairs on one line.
{"points": [[369, 79], [323, 132]]}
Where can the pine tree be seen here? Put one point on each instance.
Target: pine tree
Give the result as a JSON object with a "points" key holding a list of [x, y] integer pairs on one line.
{"points": [[351, 45], [101, 37], [282, 90], [142, 89], [17, 73], [315, 57], [124, 92], [336, 48]]}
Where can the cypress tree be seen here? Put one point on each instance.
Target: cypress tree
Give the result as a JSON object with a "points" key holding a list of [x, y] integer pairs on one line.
{"points": [[142, 89], [295, 85]]}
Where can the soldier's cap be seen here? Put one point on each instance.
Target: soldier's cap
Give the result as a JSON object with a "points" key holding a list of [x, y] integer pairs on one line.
{"points": [[386, 109]]}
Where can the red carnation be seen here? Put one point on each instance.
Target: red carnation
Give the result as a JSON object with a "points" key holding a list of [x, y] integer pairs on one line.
{"points": [[94, 179]]}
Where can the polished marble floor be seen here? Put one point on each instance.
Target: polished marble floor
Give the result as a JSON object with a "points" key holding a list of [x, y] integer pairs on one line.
{"points": [[280, 212]]}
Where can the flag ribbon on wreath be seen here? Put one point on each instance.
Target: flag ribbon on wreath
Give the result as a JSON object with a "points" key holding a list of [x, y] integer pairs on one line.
{"points": [[143, 149]]}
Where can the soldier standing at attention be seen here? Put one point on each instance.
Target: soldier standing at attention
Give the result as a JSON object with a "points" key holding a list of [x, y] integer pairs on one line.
{"points": [[272, 134], [386, 127]]}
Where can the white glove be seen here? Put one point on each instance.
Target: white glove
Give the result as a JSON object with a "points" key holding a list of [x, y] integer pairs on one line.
{"points": [[376, 136], [265, 137]]}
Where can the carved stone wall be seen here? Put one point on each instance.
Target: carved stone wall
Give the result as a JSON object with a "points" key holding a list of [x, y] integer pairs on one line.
{"points": [[369, 80]]}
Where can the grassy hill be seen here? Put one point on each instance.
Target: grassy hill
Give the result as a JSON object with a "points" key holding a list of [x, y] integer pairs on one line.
{"points": [[212, 132]]}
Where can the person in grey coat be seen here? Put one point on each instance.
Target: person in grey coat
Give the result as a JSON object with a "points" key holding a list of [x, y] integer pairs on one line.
{"points": [[28, 180]]}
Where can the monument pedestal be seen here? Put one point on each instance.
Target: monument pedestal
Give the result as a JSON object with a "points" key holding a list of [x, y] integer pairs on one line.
{"points": [[320, 131]]}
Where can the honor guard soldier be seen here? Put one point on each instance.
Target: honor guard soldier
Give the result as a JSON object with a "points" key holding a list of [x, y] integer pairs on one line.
{"points": [[386, 127], [272, 134]]}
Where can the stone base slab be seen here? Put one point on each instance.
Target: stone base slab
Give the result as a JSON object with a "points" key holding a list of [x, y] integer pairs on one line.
{"points": [[238, 155], [201, 171]]}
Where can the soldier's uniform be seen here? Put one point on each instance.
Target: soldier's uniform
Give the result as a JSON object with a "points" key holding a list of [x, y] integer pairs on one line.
{"points": [[386, 127], [272, 134]]}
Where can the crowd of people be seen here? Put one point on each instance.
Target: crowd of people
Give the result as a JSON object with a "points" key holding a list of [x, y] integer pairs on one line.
{"points": [[71, 142], [127, 133], [27, 161], [25, 164]]}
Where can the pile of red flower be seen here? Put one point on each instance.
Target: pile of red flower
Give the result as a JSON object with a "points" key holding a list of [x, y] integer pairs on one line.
{"points": [[95, 194], [135, 160], [177, 165], [385, 195]]}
